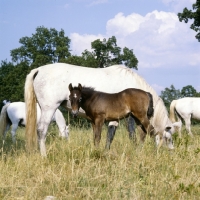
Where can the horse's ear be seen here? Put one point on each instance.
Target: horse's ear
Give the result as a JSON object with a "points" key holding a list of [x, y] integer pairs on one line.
{"points": [[80, 86], [70, 87]]}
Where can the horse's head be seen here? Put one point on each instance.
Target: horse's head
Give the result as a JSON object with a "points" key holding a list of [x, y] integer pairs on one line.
{"points": [[65, 132], [75, 98]]}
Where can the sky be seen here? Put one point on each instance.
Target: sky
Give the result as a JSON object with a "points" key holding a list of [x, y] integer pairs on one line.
{"points": [[167, 50]]}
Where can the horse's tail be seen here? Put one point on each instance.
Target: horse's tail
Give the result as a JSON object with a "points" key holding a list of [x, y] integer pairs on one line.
{"points": [[31, 112], [3, 119], [150, 110], [173, 111]]}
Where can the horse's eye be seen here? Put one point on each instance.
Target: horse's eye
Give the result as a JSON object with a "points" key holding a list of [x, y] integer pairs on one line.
{"points": [[80, 99]]}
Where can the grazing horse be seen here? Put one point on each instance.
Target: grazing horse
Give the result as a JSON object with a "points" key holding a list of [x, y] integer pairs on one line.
{"points": [[48, 85], [100, 107], [14, 114], [185, 108]]}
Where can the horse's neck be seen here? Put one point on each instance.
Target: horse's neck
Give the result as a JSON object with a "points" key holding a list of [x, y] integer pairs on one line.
{"points": [[86, 97]]}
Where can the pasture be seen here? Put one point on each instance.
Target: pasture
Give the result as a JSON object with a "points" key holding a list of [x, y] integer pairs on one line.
{"points": [[75, 170]]}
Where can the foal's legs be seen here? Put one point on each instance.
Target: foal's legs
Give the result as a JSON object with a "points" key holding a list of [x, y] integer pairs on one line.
{"points": [[43, 125], [97, 128]]}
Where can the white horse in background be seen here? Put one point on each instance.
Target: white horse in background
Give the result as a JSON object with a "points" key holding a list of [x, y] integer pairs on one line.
{"points": [[48, 85], [14, 114], [185, 108]]}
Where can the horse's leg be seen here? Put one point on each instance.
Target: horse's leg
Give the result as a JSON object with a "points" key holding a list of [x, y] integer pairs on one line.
{"points": [[159, 141], [144, 122], [111, 133], [141, 133], [180, 130], [6, 130], [43, 125], [187, 124], [13, 132], [131, 127], [97, 128]]}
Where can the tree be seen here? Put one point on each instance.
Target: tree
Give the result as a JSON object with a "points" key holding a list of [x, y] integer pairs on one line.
{"points": [[188, 91], [87, 59], [45, 46], [170, 94], [104, 54], [12, 79], [189, 14], [107, 53]]}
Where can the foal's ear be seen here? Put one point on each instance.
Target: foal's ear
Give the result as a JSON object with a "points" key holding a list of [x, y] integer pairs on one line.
{"points": [[80, 86], [70, 87]]}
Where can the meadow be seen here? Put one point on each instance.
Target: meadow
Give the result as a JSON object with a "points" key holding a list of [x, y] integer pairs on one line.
{"points": [[74, 169]]}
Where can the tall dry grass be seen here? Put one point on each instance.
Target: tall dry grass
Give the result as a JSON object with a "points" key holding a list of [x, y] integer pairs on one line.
{"points": [[75, 170]]}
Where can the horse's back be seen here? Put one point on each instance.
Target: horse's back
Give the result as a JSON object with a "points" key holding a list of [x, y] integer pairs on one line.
{"points": [[16, 108], [189, 106], [16, 112], [52, 81]]}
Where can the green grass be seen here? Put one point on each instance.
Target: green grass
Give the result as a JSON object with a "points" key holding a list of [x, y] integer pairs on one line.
{"points": [[74, 169]]}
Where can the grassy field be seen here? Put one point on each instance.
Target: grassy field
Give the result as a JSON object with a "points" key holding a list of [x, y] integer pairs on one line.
{"points": [[73, 169]]}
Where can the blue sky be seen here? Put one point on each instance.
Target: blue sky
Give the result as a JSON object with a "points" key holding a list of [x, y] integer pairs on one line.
{"points": [[167, 50]]}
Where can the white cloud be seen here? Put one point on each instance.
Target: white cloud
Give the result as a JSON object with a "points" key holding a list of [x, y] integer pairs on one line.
{"points": [[121, 25], [158, 40], [81, 42]]}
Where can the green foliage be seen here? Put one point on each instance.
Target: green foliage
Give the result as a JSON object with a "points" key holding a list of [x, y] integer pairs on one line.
{"points": [[12, 79], [50, 46], [104, 54], [87, 59], [169, 94], [107, 53], [195, 15], [45, 46], [188, 91]]}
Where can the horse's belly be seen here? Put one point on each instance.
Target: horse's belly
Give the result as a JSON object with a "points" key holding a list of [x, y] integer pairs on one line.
{"points": [[116, 115], [196, 114]]}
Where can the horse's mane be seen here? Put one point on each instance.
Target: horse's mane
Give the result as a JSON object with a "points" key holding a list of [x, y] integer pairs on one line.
{"points": [[88, 89], [160, 112]]}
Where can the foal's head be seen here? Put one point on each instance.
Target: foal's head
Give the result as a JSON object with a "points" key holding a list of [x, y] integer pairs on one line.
{"points": [[75, 98]]}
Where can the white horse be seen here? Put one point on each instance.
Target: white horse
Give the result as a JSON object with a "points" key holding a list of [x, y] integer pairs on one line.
{"points": [[14, 114], [185, 108], [49, 86]]}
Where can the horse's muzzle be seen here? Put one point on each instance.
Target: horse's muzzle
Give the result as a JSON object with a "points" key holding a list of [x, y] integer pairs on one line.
{"points": [[75, 113]]}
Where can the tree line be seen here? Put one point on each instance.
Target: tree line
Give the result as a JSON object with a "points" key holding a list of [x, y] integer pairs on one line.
{"points": [[48, 46], [171, 93]]}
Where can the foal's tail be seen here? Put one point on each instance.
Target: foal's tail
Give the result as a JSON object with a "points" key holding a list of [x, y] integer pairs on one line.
{"points": [[31, 112], [173, 111], [150, 110], [3, 119]]}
